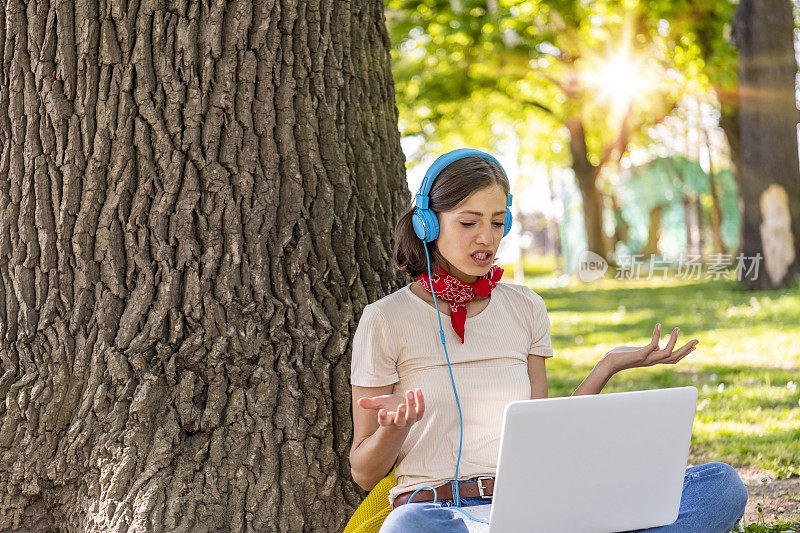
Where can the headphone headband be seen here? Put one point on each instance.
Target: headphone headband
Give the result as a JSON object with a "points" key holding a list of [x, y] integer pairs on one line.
{"points": [[442, 161], [425, 222]]}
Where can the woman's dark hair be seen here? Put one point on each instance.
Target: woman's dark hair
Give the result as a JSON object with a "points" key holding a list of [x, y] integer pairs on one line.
{"points": [[454, 183]]}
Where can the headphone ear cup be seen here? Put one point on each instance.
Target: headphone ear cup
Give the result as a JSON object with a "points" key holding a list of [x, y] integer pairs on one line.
{"points": [[426, 225], [507, 222], [419, 225]]}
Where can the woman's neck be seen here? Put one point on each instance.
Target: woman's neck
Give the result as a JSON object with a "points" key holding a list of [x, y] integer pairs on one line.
{"points": [[465, 278]]}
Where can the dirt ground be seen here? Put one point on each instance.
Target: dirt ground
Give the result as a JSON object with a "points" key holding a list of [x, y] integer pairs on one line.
{"points": [[783, 493]]}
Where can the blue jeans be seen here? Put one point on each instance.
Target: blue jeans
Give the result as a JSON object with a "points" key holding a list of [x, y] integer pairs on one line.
{"points": [[712, 501]]}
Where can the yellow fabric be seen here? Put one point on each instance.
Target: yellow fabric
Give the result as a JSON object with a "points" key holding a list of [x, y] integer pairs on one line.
{"points": [[370, 515]]}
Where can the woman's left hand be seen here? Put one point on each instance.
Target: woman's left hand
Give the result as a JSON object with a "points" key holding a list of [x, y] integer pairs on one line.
{"points": [[625, 357]]}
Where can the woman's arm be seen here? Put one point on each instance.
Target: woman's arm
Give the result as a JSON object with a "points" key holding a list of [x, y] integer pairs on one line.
{"points": [[593, 383], [538, 376], [625, 357], [596, 380], [377, 439]]}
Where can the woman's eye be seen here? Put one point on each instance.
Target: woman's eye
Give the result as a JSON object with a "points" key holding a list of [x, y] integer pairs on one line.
{"points": [[497, 224]]}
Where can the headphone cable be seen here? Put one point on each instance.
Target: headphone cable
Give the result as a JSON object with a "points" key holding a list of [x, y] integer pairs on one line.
{"points": [[456, 499]]}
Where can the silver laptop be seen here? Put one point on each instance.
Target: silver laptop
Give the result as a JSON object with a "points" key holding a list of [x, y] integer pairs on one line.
{"points": [[600, 463]]}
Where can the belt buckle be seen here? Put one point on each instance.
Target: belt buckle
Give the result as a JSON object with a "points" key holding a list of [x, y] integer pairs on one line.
{"points": [[481, 488]]}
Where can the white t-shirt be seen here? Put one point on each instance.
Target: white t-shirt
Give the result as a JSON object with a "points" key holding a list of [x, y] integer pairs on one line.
{"points": [[397, 342]]}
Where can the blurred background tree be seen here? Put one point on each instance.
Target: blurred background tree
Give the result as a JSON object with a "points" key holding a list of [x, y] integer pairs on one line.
{"points": [[586, 94], [768, 162], [632, 128]]}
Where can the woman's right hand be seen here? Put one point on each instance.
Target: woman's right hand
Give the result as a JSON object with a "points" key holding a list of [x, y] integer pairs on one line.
{"points": [[394, 410]]}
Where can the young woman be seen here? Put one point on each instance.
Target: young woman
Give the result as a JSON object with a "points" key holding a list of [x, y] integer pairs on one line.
{"points": [[498, 339]]}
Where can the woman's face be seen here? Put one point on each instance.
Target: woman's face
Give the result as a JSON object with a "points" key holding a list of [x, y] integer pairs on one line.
{"points": [[475, 225]]}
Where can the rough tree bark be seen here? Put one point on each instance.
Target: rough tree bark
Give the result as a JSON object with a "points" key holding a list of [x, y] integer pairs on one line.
{"points": [[768, 177], [196, 202]]}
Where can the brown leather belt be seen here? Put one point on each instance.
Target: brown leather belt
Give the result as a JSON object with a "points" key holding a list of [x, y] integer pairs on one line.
{"points": [[482, 488]]}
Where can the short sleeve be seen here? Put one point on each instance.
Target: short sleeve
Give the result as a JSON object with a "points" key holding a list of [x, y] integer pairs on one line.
{"points": [[540, 326], [374, 364]]}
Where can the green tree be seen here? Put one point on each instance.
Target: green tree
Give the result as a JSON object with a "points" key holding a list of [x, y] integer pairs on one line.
{"points": [[587, 76]]}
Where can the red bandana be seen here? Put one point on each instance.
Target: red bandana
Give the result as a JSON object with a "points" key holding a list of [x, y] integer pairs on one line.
{"points": [[457, 293]]}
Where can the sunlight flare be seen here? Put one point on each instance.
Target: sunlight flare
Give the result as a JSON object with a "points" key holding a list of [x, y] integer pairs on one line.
{"points": [[620, 79]]}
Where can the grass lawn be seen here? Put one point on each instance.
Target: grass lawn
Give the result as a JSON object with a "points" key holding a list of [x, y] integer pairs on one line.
{"points": [[746, 367]]}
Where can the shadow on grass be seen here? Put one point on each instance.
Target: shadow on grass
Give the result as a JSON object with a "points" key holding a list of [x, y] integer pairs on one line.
{"points": [[772, 450], [694, 306], [563, 377], [730, 399]]}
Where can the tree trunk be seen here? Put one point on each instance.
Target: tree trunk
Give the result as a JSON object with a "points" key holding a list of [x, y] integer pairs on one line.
{"points": [[689, 224], [586, 175], [621, 227], [195, 205], [697, 220], [716, 210], [770, 179], [729, 122], [653, 232], [554, 237], [716, 216]]}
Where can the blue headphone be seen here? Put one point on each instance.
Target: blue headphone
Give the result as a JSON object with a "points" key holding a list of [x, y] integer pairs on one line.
{"points": [[426, 225]]}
